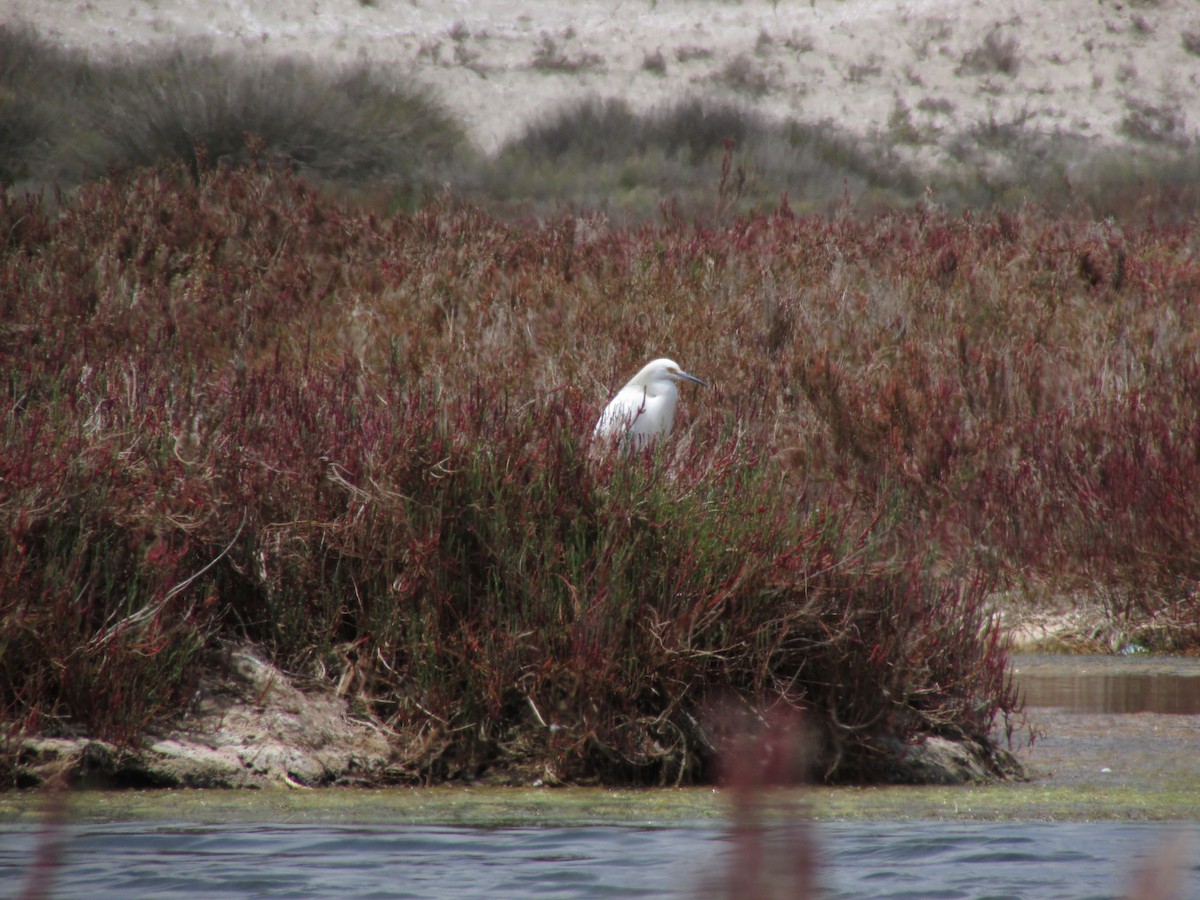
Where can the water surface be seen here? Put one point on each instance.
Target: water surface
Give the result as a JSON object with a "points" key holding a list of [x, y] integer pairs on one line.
{"points": [[1168, 685], [860, 859]]}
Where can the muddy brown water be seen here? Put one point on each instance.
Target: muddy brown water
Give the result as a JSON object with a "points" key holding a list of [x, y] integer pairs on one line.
{"points": [[1110, 684]]}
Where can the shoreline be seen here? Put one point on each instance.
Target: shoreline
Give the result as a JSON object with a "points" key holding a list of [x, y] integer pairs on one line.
{"points": [[255, 727]]}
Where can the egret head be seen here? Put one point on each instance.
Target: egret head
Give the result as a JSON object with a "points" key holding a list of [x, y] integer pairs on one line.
{"points": [[658, 371], [644, 409]]}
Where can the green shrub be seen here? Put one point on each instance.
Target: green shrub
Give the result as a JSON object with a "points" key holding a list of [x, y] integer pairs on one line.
{"points": [[193, 104], [37, 82], [582, 155], [63, 117], [996, 53]]}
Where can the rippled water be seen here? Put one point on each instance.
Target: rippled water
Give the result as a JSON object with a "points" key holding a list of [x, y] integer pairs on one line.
{"points": [[928, 860]]}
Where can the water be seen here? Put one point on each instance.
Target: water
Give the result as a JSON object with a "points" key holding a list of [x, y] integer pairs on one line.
{"points": [[1107, 684], [857, 860]]}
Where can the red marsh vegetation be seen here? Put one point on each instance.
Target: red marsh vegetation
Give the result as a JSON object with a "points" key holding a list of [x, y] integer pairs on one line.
{"points": [[235, 408]]}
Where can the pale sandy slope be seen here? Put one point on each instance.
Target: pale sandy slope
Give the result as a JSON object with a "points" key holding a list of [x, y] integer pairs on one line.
{"points": [[1083, 66]]}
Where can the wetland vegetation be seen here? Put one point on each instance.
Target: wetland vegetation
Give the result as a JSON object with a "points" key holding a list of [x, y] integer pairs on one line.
{"points": [[308, 398]]}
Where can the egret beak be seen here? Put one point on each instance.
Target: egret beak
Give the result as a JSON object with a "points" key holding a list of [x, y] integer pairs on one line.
{"points": [[692, 378]]}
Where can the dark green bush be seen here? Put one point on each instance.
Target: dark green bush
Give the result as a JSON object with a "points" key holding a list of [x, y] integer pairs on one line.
{"points": [[201, 107], [194, 104]]}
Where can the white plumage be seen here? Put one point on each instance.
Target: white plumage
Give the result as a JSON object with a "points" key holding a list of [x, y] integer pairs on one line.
{"points": [[644, 409]]}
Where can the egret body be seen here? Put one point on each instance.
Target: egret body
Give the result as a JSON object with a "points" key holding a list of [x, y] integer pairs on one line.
{"points": [[644, 409]]}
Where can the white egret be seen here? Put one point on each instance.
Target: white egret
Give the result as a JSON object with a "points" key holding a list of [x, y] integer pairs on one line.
{"points": [[644, 409]]}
